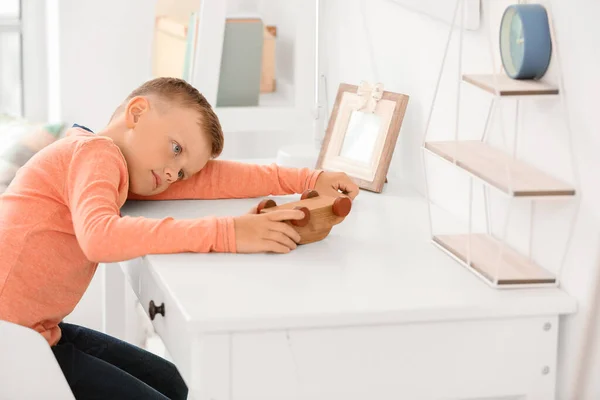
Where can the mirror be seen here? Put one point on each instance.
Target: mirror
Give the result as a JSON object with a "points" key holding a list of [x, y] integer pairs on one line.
{"points": [[361, 135]]}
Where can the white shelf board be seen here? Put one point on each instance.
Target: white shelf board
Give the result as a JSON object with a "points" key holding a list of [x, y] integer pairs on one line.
{"points": [[492, 259], [251, 119], [510, 87], [283, 96], [512, 176], [276, 112]]}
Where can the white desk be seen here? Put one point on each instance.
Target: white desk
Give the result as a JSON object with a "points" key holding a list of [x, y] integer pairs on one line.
{"points": [[374, 311]]}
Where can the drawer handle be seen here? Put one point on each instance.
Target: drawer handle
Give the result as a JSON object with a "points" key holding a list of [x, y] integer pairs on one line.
{"points": [[154, 309]]}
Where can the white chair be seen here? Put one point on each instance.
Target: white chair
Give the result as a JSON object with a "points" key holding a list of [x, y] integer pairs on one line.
{"points": [[28, 369]]}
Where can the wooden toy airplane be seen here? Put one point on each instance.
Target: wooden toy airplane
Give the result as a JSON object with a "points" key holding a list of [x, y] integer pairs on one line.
{"points": [[321, 213]]}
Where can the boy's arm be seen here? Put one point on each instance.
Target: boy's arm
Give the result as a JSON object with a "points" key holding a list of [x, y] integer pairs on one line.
{"points": [[221, 179], [95, 190]]}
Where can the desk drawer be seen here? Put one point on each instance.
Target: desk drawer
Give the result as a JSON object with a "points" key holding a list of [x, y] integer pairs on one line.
{"points": [[454, 360], [156, 301]]}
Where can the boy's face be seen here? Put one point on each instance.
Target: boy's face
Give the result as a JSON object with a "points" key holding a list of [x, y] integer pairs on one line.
{"points": [[163, 144]]}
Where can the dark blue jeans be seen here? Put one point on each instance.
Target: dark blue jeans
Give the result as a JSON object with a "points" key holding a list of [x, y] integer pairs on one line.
{"points": [[98, 366]]}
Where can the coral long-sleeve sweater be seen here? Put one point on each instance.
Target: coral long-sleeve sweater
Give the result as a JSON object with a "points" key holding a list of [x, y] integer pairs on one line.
{"points": [[60, 217]]}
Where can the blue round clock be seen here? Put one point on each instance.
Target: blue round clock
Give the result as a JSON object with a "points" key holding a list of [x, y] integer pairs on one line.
{"points": [[525, 42]]}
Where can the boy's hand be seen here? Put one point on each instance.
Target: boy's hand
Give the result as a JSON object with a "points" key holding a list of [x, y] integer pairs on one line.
{"points": [[331, 183], [258, 233]]}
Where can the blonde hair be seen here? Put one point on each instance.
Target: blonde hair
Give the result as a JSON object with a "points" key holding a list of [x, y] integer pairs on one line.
{"points": [[183, 94]]}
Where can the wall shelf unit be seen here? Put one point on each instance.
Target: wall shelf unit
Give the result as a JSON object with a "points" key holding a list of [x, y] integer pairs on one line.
{"points": [[487, 253]]}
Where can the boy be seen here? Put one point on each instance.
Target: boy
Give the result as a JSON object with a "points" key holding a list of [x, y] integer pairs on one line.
{"points": [[60, 218]]}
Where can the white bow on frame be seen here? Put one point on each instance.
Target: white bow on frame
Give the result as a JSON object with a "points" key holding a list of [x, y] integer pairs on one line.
{"points": [[369, 95]]}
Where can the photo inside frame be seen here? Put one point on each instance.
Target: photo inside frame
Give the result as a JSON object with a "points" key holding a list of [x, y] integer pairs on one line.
{"points": [[361, 137], [358, 137]]}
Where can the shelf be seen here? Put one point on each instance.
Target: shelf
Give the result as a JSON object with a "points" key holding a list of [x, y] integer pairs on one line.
{"points": [[283, 96], [511, 87], [512, 176], [276, 112], [261, 119], [515, 269]]}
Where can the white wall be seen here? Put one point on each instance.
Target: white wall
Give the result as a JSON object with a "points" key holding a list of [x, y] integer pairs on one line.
{"points": [[407, 49], [105, 52]]}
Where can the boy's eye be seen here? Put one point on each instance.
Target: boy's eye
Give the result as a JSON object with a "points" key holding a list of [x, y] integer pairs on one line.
{"points": [[176, 148], [180, 174]]}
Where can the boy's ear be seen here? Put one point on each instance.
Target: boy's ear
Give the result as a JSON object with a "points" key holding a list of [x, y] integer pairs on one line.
{"points": [[135, 108]]}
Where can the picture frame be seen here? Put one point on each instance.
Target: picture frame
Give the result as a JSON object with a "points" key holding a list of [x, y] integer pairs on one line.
{"points": [[362, 133]]}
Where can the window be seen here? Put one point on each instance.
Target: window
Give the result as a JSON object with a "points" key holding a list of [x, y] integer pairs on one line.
{"points": [[11, 65]]}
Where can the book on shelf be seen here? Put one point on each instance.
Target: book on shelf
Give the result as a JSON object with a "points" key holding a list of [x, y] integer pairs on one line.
{"points": [[241, 62]]}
